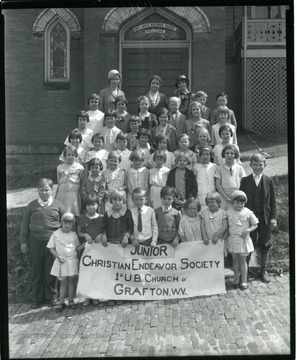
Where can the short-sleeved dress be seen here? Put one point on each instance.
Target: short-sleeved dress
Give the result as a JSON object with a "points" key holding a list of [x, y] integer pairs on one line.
{"points": [[158, 178], [69, 185], [65, 245], [205, 176], [213, 221], [238, 222], [230, 181], [190, 228]]}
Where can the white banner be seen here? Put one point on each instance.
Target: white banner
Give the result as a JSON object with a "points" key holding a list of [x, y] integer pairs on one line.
{"points": [[145, 273]]}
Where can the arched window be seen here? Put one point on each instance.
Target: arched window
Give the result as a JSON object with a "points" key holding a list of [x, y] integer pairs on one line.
{"points": [[57, 54]]}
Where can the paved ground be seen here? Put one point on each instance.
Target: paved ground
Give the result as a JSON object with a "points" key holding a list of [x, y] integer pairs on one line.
{"points": [[255, 321]]}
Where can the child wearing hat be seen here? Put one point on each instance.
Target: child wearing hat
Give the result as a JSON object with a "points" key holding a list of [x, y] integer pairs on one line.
{"points": [[183, 93], [109, 94], [241, 222], [63, 244]]}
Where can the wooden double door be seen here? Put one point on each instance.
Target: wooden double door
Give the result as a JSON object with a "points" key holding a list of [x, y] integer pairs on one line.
{"points": [[139, 64]]}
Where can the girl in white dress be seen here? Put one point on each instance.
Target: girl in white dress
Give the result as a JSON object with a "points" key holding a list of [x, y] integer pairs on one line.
{"points": [[190, 224], [158, 178], [63, 244], [213, 219], [242, 222], [70, 176]]}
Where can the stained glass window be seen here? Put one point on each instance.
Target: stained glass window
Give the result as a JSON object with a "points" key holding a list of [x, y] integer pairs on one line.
{"points": [[57, 60]]}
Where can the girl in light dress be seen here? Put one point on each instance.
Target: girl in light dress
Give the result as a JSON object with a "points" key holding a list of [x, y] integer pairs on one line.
{"points": [[225, 133], [115, 177], [228, 175], [96, 151], [63, 245], [82, 120], [190, 224], [123, 117], [144, 136], [75, 139], [158, 178], [213, 219], [166, 129], [242, 222], [95, 115], [137, 176], [70, 175], [205, 174], [110, 131]]}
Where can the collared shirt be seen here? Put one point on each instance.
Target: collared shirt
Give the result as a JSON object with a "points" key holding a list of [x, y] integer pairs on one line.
{"points": [[166, 209], [117, 214], [45, 203], [125, 162], [149, 224], [257, 178]]}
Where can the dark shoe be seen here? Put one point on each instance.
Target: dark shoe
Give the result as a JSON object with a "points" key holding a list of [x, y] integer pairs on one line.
{"points": [[236, 284], [264, 277], [72, 305], [35, 305], [60, 308], [244, 286]]}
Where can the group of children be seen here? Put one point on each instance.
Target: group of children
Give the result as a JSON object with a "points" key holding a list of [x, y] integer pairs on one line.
{"points": [[148, 180]]}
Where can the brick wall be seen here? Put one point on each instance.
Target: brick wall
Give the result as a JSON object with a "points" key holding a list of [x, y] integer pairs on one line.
{"points": [[33, 114], [208, 56]]}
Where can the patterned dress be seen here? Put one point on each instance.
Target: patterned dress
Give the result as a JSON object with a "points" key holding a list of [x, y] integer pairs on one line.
{"points": [[190, 228], [238, 222], [114, 180]]}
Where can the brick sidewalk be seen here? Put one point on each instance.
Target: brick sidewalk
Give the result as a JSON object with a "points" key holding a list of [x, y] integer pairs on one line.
{"points": [[255, 321]]}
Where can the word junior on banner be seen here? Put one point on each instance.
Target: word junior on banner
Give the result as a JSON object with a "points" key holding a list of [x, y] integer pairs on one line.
{"points": [[146, 273]]}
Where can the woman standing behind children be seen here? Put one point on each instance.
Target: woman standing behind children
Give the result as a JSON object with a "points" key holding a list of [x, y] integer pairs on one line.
{"points": [[90, 228], [123, 117], [158, 178], [242, 222], [96, 116], [137, 176], [118, 222], [97, 151], [205, 174], [114, 175], [166, 129], [110, 131], [157, 100], [213, 219], [190, 224], [41, 218], [70, 175], [183, 180], [63, 244], [228, 175], [183, 93], [225, 133], [192, 125], [109, 94]]}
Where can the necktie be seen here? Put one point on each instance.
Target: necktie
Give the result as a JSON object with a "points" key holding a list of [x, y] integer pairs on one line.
{"points": [[257, 179], [139, 226]]}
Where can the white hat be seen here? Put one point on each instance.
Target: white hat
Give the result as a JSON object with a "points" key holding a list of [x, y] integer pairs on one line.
{"points": [[238, 193], [113, 73], [68, 216]]}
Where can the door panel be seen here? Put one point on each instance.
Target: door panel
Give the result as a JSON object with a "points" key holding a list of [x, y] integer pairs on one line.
{"points": [[140, 64]]}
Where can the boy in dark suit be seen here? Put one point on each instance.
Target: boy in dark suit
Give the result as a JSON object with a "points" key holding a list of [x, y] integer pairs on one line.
{"points": [[260, 191]]}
